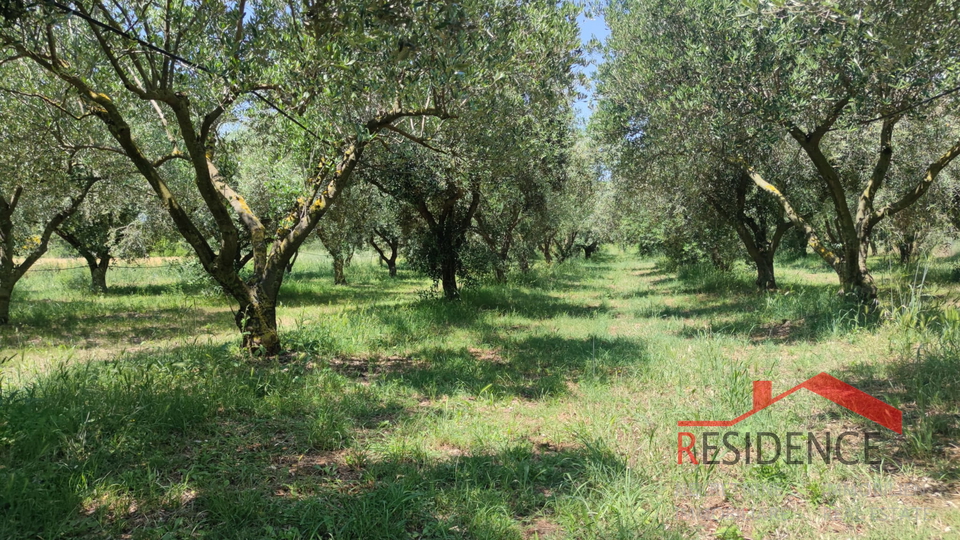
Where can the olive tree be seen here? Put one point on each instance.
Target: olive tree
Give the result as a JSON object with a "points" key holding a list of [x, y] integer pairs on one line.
{"points": [[39, 190], [167, 81], [822, 75], [386, 225], [579, 211], [526, 160], [115, 222], [444, 194], [346, 229]]}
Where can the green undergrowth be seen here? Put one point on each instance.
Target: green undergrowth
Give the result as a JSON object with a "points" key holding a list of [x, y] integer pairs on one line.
{"points": [[546, 407]]}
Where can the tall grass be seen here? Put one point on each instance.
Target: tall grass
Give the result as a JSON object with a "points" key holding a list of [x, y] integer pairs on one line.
{"points": [[546, 407]]}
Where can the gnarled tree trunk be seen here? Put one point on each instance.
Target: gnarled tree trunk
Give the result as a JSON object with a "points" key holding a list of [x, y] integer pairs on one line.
{"points": [[339, 262], [545, 249], [448, 277], [98, 274], [258, 325], [11, 272], [391, 241], [98, 263], [499, 244], [566, 247], [590, 249], [766, 278], [256, 317], [754, 233], [448, 226], [907, 247]]}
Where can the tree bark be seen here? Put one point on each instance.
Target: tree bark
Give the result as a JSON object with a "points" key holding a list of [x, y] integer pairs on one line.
{"points": [[339, 278], [448, 276], [290, 264], [6, 291], [98, 274], [766, 279], [590, 249], [394, 244], [861, 286], [258, 325], [545, 249]]}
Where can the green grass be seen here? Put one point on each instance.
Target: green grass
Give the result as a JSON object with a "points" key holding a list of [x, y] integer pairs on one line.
{"points": [[544, 408]]}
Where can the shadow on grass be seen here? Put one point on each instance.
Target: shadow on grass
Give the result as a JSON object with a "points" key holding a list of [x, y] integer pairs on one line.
{"points": [[84, 324], [422, 320], [311, 288], [81, 441], [716, 307], [532, 304], [532, 367], [569, 276], [728, 303], [341, 295], [804, 313], [195, 441], [486, 495], [926, 388], [158, 289]]}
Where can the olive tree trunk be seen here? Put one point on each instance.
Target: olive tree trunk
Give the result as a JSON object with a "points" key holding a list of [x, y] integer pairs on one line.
{"points": [[98, 260], [6, 291], [545, 249], [339, 262], [257, 322], [448, 275], [10, 271], [854, 225], [392, 242], [907, 247], [590, 249], [98, 274]]}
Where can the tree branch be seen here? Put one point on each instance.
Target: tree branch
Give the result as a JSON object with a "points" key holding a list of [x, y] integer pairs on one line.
{"points": [[812, 239], [51, 226], [46, 100], [419, 140], [911, 196], [170, 157]]}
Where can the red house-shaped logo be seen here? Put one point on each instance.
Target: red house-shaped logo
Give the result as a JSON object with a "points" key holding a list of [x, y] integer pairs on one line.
{"points": [[824, 385]]}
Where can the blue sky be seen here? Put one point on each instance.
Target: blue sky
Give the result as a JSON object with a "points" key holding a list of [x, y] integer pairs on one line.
{"points": [[590, 28]]}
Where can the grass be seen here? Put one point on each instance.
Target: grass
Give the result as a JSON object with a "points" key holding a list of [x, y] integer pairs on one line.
{"points": [[544, 408]]}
